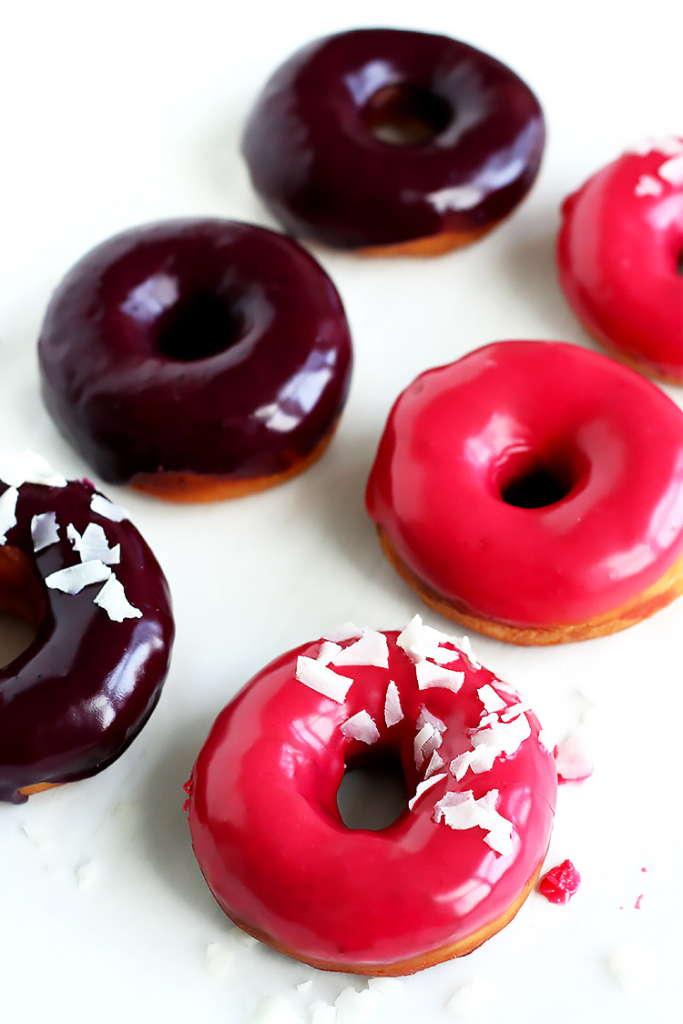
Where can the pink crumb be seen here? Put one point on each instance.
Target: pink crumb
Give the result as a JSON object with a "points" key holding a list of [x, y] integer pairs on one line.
{"points": [[560, 883], [639, 901]]}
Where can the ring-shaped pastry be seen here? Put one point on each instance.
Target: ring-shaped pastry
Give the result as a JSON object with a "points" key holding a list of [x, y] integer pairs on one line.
{"points": [[534, 491], [620, 257], [393, 141], [455, 866], [74, 566], [196, 359]]}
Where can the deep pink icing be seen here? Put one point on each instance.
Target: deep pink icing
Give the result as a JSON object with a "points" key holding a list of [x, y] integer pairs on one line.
{"points": [[460, 432], [620, 262], [560, 883], [270, 841]]}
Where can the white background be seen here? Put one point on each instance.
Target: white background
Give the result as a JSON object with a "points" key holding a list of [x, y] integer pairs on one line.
{"points": [[117, 114]]}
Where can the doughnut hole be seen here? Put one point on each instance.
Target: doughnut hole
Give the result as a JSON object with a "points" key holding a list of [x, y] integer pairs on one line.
{"points": [[406, 115], [22, 604], [528, 481], [197, 327], [373, 793]]}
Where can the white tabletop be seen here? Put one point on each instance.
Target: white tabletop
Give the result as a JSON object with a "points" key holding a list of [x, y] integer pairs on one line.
{"points": [[114, 115]]}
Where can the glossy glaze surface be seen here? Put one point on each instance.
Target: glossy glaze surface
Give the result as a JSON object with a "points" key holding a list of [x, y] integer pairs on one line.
{"points": [[324, 174], [269, 838], [560, 883], [78, 696], [459, 435], [620, 259], [249, 411]]}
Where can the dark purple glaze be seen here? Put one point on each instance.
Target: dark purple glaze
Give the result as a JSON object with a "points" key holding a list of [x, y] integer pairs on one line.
{"points": [[188, 288], [79, 695], [324, 174]]}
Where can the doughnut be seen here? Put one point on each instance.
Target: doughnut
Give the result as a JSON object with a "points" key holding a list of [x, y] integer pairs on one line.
{"points": [[455, 866], [196, 359], [533, 491], [393, 142], [74, 567], [620, 257]]}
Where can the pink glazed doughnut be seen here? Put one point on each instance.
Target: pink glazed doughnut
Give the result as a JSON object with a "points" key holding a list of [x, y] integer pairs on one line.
{"points": [[451, 871], [533, 491], [620, 257]]}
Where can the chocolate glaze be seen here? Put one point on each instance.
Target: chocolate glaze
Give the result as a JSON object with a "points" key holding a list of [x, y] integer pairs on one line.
{"points": [[130, 368], [269, 838], [317, 165], [79, 695]]}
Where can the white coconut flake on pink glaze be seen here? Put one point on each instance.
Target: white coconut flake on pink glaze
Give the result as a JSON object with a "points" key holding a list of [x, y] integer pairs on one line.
{"points": [[423, 786], [323, 680], [572, 760], [393, 712], [361, 726], [462, 811], [371, 649]]}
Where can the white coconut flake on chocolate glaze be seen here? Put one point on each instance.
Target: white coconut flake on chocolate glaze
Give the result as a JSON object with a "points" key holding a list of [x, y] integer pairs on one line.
{"points": [[327, 652], [44, 530], [429, 675], [8, 515], [491, 700], [647, 185], [672, 170], [321, 679], [461, 811], [27, 467], [112, 599], [102, 506], [347, 631], [361, 726], [423, 786], [372, 650], [393, 712], [74, 578], [93, 544]]}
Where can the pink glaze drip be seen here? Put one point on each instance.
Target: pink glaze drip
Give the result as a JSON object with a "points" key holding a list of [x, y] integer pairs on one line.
{"points": [[639, 901], [619, 260], [458, 435], [270, 841], [560, 883]]}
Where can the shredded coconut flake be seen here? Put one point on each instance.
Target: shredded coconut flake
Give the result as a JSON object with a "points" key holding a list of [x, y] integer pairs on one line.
{"points": [[219, 960], [648, 186], [426, 716], [427, 740], [462, 811], [74, 578], [572, 760], [429, 675], [491, 700], [44, 531], [423, 786], [667, 145], [321, 679], [27, 467], [436, 762], [8, 516], [361, 726], [393, 712], [102, 506], [672, 170], [416, 636], [327, 652], [371, 649], [112, 599], [93, 545]]}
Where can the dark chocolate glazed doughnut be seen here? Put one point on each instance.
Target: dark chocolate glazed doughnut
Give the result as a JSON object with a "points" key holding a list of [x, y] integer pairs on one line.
{"points": [[82, 691], [402, 141], [196, 358]]}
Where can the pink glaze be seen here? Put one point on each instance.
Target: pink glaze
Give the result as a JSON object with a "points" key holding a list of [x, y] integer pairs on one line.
{"points": [[270, 841], [561, 883], [459, 435], [620, 258]]}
